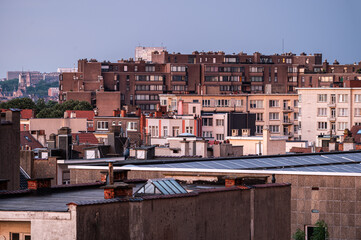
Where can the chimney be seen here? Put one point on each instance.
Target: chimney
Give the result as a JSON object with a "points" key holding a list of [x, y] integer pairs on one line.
{"points": [[118, 190], [65, 142], [235, 132], [39, 183], [123, 113], [116, 113], [245, 132], [158, 114], [142, 127], [138, 112], [184, 147]]}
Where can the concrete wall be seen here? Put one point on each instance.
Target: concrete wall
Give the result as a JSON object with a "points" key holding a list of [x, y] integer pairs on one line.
{"points": [[211, 214], [337, 198]]}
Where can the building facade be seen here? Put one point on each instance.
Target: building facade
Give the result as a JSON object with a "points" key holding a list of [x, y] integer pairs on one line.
{"points": [[129, 82], [279, 112], [328, 111]]}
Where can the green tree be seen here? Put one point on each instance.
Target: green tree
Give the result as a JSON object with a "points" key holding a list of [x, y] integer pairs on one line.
{"points": [[83, 105], [20, 103], [320, 232], [299, 235], [9, 85]]}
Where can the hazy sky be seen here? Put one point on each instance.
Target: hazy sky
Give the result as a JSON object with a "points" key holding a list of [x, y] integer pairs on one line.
{"points": [[46, 34]]}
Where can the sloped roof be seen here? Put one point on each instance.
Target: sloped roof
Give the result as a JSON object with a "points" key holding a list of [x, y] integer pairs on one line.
{"points": [[85, 138], [163, 186], [89, 115], [27, 139], [26, 113]]}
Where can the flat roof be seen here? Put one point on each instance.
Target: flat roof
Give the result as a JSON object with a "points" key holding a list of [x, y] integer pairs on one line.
{"points": [[343, 163], [50, 202]]}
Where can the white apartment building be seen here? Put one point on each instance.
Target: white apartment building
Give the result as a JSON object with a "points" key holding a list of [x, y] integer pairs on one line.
{"points": [[325, 111]]}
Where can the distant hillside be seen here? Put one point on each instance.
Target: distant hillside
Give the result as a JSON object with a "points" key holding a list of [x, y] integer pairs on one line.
{"points": [[9, 85], [41, 89]]}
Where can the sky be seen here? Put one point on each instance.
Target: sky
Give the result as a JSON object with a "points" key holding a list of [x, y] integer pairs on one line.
{"points": [[42, 35]]}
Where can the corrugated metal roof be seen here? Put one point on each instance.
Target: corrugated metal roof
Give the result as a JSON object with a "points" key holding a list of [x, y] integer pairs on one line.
{"points": [[338, 162]]}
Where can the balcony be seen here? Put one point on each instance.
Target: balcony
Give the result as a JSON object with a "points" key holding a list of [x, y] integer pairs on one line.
{"points": [[287, 109], [287, 122], [332, 119], [331, 104]]}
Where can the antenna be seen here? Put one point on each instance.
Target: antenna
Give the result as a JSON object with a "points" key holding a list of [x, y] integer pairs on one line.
{"points": [[283, 45]]}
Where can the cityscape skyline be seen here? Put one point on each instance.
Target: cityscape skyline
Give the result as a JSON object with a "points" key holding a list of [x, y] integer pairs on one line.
{"points": [[106, 31]]}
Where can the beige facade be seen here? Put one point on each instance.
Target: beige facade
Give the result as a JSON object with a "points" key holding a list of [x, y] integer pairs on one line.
{"points": [[279, 112], [160, 129], [265, 145], [325, 109], [52, 125], [35, 223]]}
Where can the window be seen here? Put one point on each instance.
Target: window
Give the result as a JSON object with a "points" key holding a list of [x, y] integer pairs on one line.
{"points": [[102, 125], [357, 97], [256, 104], [342, 126], [322, 125], [230, 59], [274, 116], [322, 97], [211, 69], [256, 88], [295, 103], [343, 112], [211, 78], [289, 60], [175, 131], [219, 122], [207, 134], [321, 112], [220, 136], [259, 129], [125, 68], [259, 116], [179, 88], [342, 98], [206, 103], [326, 79], [274, 128], [222, 103], [153, 131], [333, 112], [113, 123], [15, 236], [274, 103], [295, 116], [179, 78], [132, 126], [135, 68], [357, 112], [165, 131], [150, 68], [178, 69], [256, 79], [239, 102], [256, 69], [189, 130], [207, 121]]}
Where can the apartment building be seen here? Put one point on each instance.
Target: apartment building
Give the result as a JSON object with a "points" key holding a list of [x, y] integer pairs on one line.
{"points": [[326, 111], [108, 86], [277, 111]]}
